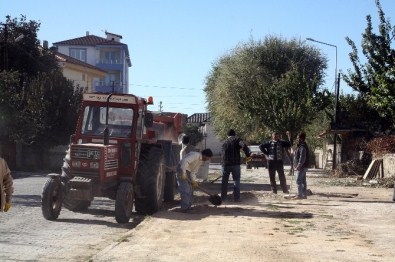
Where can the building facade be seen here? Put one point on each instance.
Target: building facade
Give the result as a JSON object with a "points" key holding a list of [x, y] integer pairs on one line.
{"points": [[80, 73], [210, 140], [107, 54]]}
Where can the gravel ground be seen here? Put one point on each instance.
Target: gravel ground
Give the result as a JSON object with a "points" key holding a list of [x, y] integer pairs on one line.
{"points": [[341, 221], [336, 223]]}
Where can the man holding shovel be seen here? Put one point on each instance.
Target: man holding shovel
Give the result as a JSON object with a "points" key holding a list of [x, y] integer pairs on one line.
{"points": [[186, 175]]}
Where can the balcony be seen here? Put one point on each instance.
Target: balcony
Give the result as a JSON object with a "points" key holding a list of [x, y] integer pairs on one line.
{"points": [[110, 64], [108, 87]]}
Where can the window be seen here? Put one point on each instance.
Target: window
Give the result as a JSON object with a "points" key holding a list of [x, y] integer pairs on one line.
{"points": [[78, 53], [120, 121], [111, 57]]}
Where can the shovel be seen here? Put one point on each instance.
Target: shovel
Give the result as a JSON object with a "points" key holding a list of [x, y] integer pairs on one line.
{"points": [[216, 200]]}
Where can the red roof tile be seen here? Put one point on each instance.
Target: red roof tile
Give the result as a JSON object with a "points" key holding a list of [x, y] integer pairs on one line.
{"points": [[72, 60], [89, 40]]}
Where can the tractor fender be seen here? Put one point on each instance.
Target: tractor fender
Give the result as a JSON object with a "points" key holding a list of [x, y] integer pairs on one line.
{"points": [[54, 175], [60, 179], [126, 179]]}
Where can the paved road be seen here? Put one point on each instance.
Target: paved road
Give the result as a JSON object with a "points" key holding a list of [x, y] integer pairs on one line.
{"points": [[26, 236]]}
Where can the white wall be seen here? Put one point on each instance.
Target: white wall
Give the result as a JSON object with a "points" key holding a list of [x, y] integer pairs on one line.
{"points": [[211, 141], [389, 165]]}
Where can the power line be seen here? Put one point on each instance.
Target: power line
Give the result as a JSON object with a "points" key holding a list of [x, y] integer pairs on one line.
{"points": [[165, 87]]}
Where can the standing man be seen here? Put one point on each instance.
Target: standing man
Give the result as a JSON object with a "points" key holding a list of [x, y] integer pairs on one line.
{"points": [[301, 162], [274, 152], [231, 161], [186, 176], [6, 187]]}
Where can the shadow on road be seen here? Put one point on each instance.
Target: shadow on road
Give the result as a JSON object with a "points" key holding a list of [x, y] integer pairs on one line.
{"points": [[134, 222], [201, 211], [27, 200]]}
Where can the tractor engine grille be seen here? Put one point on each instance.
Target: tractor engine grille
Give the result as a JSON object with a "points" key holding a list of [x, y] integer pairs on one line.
{"points": [[109, 164], [84, 153]]}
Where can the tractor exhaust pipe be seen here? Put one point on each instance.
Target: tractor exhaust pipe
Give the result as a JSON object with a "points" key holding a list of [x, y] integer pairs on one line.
{"points": [[106, 132]]}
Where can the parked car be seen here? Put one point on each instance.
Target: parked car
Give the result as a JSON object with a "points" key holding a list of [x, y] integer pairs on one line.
{"points": [[258, 159]]}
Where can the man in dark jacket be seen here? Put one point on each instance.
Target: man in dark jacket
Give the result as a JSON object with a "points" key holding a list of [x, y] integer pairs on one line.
{"points": [[274, 152], [301, 162], [231, 161]]}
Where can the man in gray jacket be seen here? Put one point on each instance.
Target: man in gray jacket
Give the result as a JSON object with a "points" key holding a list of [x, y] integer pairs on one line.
{"points": [[301, 161]]}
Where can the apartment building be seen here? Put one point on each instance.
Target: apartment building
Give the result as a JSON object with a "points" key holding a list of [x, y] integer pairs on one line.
{"points": [[80, 73], [107, 54]]}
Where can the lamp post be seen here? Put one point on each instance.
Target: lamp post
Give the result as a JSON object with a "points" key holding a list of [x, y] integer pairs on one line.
{"points": [[337, 85]]}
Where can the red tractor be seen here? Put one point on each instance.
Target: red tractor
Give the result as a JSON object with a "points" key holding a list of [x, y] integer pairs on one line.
{"points": [[121, 151]]}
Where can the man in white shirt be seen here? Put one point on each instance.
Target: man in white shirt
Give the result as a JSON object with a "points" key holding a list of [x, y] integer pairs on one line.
{"points": [[186, 175]]}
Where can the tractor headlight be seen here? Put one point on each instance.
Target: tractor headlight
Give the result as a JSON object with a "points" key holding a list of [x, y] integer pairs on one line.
{"points": [[94, 165], [76, 163]]}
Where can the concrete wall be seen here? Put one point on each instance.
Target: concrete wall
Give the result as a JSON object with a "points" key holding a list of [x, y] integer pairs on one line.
{"points": [[210, 141], [389, 165]]}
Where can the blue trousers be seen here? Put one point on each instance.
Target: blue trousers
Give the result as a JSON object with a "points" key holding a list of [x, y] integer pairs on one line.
{"points": [[186, 193], [226, 170], [301, 182]]}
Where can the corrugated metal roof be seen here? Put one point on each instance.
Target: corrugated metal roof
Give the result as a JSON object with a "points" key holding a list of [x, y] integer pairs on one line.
{"points": [[199, 118]]}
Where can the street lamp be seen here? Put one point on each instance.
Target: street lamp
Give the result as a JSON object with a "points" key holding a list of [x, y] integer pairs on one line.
{"points": [[313, 40], [336, 100]]}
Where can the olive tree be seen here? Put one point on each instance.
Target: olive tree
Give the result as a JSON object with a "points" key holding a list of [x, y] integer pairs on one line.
{"points": [[269, 85]]}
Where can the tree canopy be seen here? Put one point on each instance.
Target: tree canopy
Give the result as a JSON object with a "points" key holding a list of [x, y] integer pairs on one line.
{"points": [[375, 79], [264, 86], [38, 105]]}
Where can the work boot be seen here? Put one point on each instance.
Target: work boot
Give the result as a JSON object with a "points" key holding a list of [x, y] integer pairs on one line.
{"points": [[299, 197]]}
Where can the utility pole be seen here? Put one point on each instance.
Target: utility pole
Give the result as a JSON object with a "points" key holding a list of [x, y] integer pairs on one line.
{"points": [[337, 87], [335, 118]]}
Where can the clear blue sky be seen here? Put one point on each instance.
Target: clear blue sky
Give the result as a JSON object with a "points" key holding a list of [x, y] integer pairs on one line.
{"points": [[174, 43]]}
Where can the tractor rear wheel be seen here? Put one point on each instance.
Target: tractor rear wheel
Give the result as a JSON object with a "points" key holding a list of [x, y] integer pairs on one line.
{"points": [[124, 202], [150, 179], [170, 187], [51, 198], [171, 184]]}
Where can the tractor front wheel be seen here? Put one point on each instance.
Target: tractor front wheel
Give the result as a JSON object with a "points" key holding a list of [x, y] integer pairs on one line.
{"points": [[51, 198]]}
